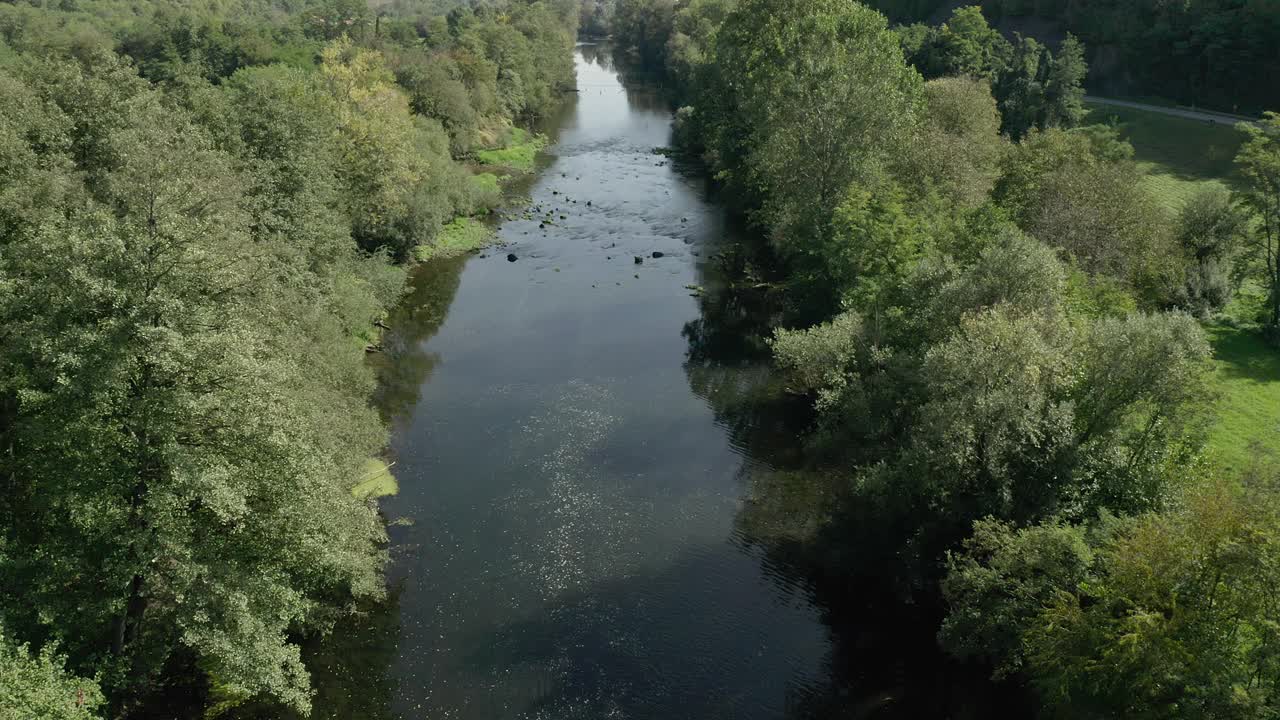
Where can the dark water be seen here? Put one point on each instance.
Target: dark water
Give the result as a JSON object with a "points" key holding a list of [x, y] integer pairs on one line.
{"points": [[605, 510], [573, 542]]}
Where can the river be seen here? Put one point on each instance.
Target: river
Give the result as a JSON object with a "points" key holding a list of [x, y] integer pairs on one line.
{"points": [[567, 539], [605, 508]]}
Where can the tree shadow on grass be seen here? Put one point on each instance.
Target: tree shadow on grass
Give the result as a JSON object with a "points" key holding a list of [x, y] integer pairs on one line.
{"points": [[1244, 354]]}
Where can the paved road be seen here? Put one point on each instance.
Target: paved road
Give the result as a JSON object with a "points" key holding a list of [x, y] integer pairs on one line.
{"points": [[1202, 116]]}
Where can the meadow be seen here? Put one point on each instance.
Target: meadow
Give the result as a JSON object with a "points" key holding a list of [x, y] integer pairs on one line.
{"points": [[1181, 156]]}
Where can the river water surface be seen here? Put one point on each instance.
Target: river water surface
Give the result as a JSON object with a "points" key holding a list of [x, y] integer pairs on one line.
{"points": [[568, 538]]}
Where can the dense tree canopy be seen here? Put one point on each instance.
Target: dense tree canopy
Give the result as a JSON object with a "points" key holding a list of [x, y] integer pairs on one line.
{"points": [[199, 210], [1155, 616], [1213, 53], [994, 320], [39, 686], [818, 100]]}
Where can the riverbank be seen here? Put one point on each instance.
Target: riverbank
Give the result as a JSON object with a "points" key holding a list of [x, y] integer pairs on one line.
{"points": [[569, 499]]}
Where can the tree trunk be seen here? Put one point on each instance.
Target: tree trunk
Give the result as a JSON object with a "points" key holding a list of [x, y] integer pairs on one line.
{"points": [[126, 628]]}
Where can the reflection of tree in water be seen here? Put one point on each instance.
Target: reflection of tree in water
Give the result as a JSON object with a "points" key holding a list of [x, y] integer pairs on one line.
{"points": [[350, 669], [595, 649], [868, 556], [727, 360], [600, 53], [404, 365]]}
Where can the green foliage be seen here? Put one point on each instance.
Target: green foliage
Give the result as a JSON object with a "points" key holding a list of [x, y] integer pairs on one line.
{"points": [[645, 26], [460, 236], [1098, 296], [819, 98], [333, 19], [1259, 163], [1175, 619], [998, 583], [995, 399], [1033, 87], [691, 38], [958, 148], [1210, 228], [1079, 191], [1210, 53], [37, 685], [436, 90], [1213, 53], [519, 151], [190, 262], [875, 240], [821, 359], [596, 17], [965, 45]]}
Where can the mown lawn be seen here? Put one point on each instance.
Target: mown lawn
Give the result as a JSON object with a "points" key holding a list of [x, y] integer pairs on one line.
{"points": [[1179, 155], [1247, 380]]}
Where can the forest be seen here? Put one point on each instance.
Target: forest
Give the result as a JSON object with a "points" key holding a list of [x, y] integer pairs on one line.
{"points": [[1002, 336], [1220, 54], [205, 211]]}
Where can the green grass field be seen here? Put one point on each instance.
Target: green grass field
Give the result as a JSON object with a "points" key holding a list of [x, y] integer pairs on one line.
{"points": [[1247, 380], [518, 152], [1179, 155]]}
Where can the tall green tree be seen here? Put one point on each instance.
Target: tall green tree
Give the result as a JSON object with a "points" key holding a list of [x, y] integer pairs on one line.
{"points": [[958, 148], [203, 502], [1210, 230], [967, 45], [399, 182], [814, 96], [1164, 615], [1259, 163]]}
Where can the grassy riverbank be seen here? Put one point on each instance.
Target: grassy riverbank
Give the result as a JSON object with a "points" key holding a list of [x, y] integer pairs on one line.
{"points": [[518, 152], [462, 235]]}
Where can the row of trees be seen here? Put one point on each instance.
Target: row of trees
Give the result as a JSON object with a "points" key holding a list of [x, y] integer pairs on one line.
{"points": [[996, 324], [1215, 53], [199, 218]]}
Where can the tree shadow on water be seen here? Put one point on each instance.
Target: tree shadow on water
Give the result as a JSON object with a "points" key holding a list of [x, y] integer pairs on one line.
{"points": [[404, 365], [704, 637], [870, 556]]}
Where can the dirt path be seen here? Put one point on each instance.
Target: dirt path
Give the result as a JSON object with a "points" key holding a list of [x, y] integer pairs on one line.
{"points": [[1201, 115]]}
